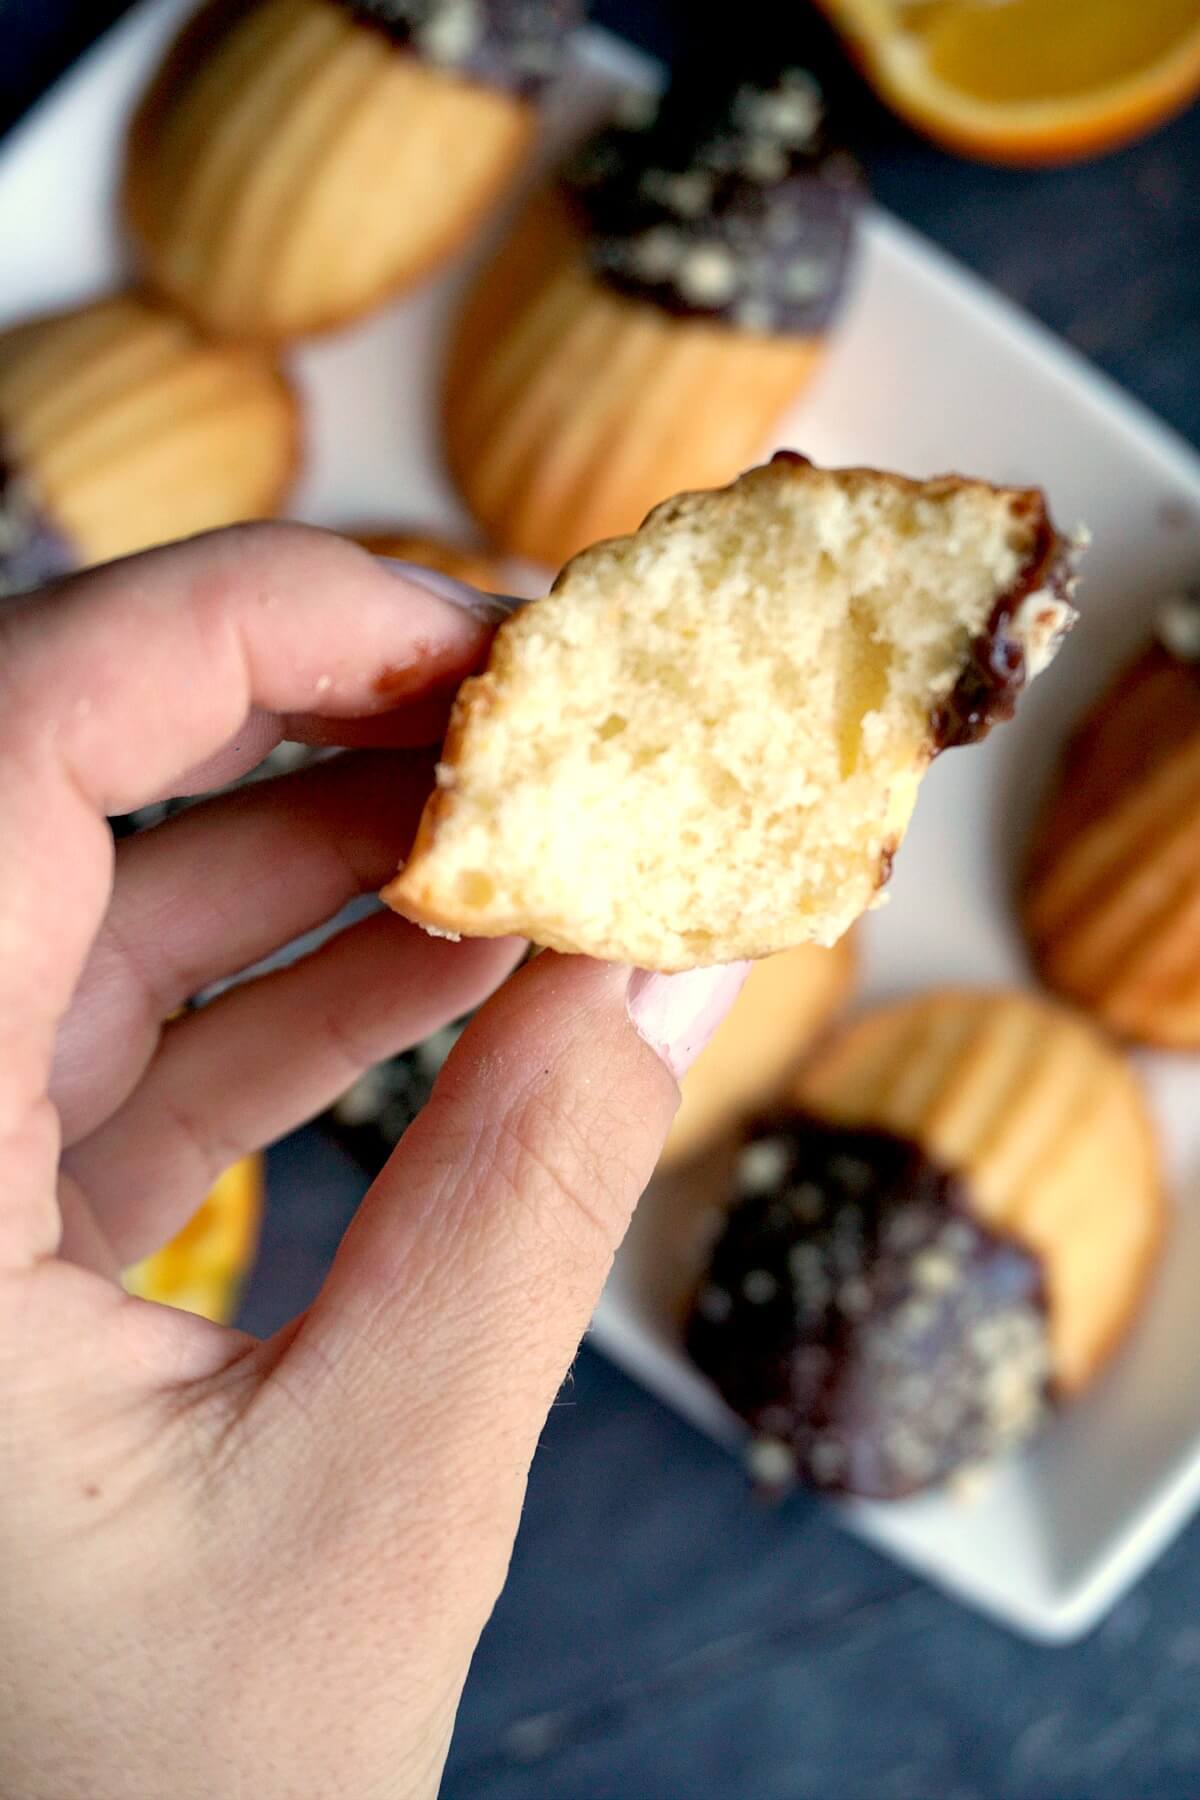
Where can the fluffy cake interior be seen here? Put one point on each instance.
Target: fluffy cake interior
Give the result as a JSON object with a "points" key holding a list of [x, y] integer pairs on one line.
{"points": [[705, 743]]}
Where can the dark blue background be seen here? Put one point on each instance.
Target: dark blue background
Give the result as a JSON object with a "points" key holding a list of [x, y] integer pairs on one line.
{"points": [[664, 1637]]}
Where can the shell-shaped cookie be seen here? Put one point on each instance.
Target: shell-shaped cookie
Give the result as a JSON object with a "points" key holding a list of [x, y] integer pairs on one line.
{"points": [[571, 409], [291, 167], [1044, 1121], [787, 1001], [132, 429], [1111, 903]]}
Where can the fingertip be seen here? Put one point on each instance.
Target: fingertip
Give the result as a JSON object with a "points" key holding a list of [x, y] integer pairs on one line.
{"points": [[561, 1025]]}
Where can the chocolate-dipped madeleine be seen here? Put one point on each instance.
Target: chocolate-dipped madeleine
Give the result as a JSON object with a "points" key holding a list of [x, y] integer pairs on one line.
{"points": [[953, 1230], [650, 317], [296, 162], [32, 549], [1111, 898], [706, 742], [121, 427]]}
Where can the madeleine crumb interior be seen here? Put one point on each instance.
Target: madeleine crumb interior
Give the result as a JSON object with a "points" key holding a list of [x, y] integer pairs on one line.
{"points": [[705, 743]]}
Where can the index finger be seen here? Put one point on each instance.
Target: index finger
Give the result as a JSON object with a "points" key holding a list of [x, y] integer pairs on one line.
{"points": [[114, 686]]}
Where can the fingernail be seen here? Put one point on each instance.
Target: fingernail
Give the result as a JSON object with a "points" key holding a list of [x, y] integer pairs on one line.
{"points": [[678, 1014], [491, 608]]}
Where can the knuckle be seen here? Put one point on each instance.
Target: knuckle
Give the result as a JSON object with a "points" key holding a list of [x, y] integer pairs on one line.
{"points": [[567, 1172], [353, 1044]]}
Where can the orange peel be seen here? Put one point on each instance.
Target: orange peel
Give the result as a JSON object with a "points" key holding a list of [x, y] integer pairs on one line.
{"points": [[203, 1268], [1026, 81]]}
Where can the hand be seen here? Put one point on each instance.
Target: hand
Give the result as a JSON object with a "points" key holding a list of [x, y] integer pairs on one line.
{"points": [[232, 1568]]}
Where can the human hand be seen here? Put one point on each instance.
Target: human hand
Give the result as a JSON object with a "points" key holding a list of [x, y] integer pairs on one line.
{"points": [[230, 1567]]}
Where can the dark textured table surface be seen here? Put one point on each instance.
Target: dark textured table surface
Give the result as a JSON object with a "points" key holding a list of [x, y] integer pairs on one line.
{"points": [[663, 1637]]}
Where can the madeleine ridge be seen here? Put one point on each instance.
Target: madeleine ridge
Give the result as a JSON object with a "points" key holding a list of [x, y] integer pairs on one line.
{"points": [[126, 427], [1111, 897]]}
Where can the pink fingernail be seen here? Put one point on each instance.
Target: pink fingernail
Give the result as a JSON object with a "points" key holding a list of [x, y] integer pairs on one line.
{"points": [[491, 608], [677, 1014]]}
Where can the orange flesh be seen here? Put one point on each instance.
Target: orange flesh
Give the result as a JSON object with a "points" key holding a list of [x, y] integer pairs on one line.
{"points": [[1013, 51]]}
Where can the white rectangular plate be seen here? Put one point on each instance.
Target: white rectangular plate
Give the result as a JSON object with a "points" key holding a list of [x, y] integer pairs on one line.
{"points": [[930, 371]]}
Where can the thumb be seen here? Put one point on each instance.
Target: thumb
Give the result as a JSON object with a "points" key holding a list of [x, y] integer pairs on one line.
{"points": [[462, 1289]]}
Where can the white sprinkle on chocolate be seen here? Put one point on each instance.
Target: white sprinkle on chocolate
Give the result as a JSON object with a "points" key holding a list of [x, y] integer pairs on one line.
{"points": [[452, 32], [741, 197], [707, 275], [827, 1459], [514, 45], [688, 193], [764, 161], [762, 1165], [934, 1271], [805, 277], [791, 115], [656, 254], [759, 1286], [771, 1461], [1039, 625]]}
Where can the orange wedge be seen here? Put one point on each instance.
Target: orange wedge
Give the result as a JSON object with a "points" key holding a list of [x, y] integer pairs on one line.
{"points": [[202, 1269], [1027, 81]]}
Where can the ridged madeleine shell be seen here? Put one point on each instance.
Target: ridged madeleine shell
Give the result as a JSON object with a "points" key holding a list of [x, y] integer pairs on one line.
{"points": [[290, 168], [1046, 1122], [571, 411], [1112, 897], [134, 429]]}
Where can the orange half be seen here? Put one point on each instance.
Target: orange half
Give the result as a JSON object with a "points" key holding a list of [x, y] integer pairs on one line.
{"points": [[1027, 81]]}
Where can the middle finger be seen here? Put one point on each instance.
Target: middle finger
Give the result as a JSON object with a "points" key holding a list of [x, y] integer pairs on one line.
{"points": [[211, 892]]}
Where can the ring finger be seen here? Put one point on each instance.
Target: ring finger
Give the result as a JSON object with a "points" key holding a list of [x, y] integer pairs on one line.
{"points": [[264, 1057], [213, 891]]}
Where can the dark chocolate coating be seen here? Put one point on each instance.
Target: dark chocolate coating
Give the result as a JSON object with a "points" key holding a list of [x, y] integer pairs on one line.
{"points": [[875, 1335], [986, 692], [737, 210], [516, 45], [32, 549]]}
